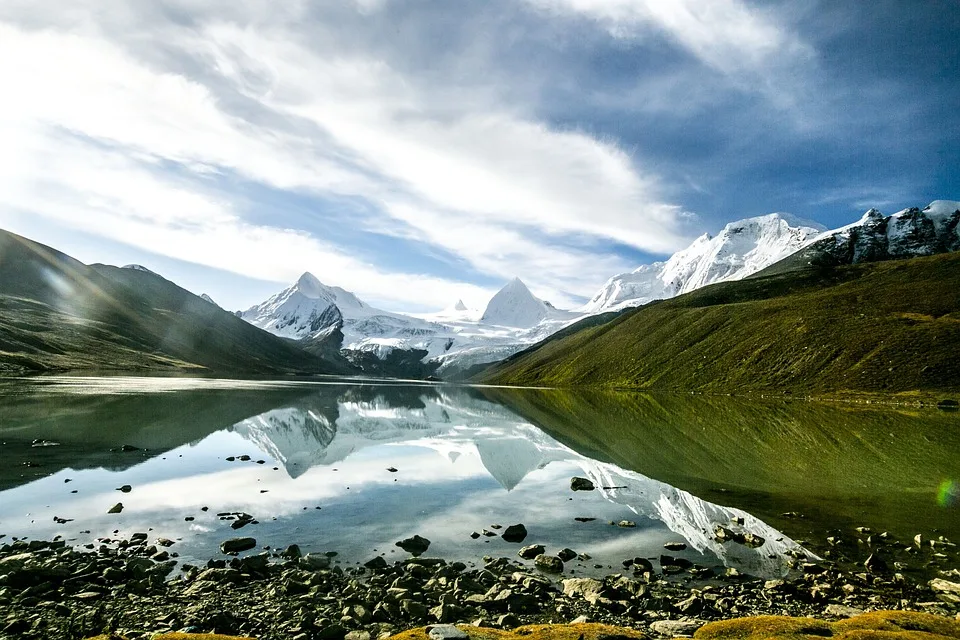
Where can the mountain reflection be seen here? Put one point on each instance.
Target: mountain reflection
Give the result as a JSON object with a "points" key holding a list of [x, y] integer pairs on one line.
{"points": [[326, 428]]}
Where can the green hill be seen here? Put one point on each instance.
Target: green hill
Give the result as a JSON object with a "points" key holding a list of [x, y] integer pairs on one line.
{"points": [[57, 314], [887, 327]]}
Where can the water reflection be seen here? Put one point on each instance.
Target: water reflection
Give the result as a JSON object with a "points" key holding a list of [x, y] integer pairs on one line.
{"points": [[463, 460]]}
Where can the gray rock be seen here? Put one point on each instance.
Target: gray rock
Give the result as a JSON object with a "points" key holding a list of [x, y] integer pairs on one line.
{"points": [[627, 524], [446, 613], [581, 484], [514, 533], [531, 551], [315, 561], [117, 508], [292, 552], [550, 564], [567, 554], [508, 621], [676, 628], [377, 562], [675, 546], [445, 632], [842, 611], [944, 586], [236, 545], [414, 609], [416, 545]]}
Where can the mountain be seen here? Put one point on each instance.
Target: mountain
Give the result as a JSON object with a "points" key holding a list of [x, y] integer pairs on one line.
{"points": [[326, 319], [59, 314], [515, 306], [889, 327], [906, 234], [739, 250]]}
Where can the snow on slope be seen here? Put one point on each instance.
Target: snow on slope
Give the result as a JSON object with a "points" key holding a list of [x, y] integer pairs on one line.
{"points": [[455, 337], [907, 233], [740, 249], [515, 306]]}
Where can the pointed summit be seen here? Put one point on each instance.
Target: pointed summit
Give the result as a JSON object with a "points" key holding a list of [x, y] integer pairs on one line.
{"points": [[514, 306], [459, 306]]}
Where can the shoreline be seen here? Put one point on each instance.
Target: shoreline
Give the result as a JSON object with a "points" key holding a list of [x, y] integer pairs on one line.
{"points": [[137, 588]]}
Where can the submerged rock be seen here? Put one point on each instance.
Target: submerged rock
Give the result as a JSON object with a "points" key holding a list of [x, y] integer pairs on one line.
{"points": [[236, 545], [514, 533], [417, 545]]}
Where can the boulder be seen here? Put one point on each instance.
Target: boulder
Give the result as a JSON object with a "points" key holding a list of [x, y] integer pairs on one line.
{"points": [[416, 545], [236, 545], [514, 533]]}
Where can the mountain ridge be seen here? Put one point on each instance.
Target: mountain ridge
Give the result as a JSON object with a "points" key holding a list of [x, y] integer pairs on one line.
{"points": [[58, 314]]}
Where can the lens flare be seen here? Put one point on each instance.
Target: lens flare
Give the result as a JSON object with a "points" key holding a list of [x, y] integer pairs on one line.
{"points": [[948, 494]]}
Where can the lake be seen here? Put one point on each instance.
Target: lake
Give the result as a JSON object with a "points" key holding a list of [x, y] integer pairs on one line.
{"points": [[351, 467]]}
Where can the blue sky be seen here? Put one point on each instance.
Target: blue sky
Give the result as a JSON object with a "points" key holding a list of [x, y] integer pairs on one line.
{"points": [[417, 152]]}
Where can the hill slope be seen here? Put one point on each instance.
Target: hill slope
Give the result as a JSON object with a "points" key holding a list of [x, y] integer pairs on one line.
{"points": [[890, 326], [58, 314]]}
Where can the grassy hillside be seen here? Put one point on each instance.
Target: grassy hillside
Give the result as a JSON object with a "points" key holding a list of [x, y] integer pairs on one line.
{"points": [[883, 327], [58, 314]]}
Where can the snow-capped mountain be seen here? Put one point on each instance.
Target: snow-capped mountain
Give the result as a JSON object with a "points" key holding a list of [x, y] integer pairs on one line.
{"points": [[906, 234], [455, 338], [739, 250], [515, 306]]}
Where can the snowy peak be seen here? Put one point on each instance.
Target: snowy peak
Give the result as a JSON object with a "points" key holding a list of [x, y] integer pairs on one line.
{"points": [[739, 250], [905, 234], [515, 306], [459, 306]]}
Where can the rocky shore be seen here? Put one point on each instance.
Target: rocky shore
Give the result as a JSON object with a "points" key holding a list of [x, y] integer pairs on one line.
{"points": [[138, 588]]}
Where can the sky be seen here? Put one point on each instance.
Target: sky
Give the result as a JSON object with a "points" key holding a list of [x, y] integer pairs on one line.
{"points": [[417, 152]]}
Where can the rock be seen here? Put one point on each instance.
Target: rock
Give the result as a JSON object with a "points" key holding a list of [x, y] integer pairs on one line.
{"points": [[531, 551], [627, 524], [567, 554], [125, 489], [875, 564], [416, 545], [292, 552], [357, 635], [944, 586], [445, 632], [550, 564], [842, 611], [752, 540], [376, 563], [581, 484], [446, 613], [586, 588], [670, 561], [675, 546], [236, 545], [508, 621], [642, 565], [675, 628], [948, 405], [315, 561], [117, 508], [514, 533], [580, 620], [722, 534], [414, 609]]}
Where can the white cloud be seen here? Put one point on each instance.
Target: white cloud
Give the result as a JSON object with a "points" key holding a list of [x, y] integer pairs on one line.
{"points": [[95, 124], [724, 34]]}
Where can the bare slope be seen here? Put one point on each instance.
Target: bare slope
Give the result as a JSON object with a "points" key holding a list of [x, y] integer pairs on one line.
{"points": [[881, 327], [58, 314]]}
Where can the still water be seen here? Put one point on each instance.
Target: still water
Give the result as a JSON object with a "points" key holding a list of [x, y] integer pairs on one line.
{"points": [[352, 467]]}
